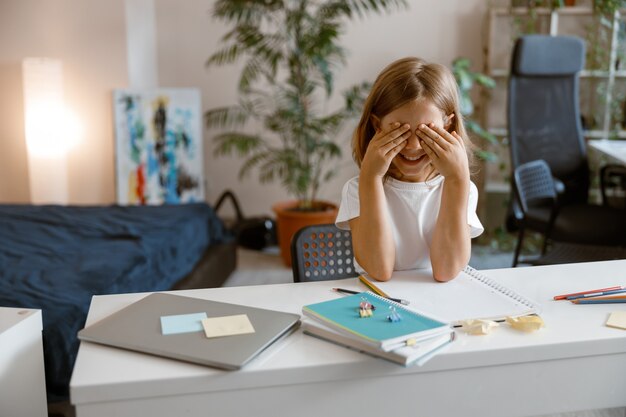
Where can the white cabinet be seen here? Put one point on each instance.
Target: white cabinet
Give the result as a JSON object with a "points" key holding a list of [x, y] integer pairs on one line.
{"points": [[22, 378]]}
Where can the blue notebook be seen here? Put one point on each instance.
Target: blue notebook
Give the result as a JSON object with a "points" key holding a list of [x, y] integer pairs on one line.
{"points": [[342, 314]]}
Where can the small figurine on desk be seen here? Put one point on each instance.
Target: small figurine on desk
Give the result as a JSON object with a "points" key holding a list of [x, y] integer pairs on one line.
{"points": [[394, 316], [366, 309]]}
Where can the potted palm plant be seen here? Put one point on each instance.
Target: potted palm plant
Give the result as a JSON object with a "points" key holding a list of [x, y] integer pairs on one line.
{"points": [[290, 51]]}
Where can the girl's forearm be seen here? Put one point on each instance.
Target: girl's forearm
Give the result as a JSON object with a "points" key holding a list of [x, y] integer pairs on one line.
{"points": [[372, 238], [451, 244]]}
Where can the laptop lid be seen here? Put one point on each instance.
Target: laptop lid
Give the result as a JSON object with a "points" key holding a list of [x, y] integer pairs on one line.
{"points": [[138, 328]]}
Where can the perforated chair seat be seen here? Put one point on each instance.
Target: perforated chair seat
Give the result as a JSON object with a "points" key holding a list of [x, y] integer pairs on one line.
{"points": [[321, 253]]}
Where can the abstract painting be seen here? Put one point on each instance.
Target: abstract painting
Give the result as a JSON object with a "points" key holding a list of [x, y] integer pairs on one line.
{"points": [[158, 146]]}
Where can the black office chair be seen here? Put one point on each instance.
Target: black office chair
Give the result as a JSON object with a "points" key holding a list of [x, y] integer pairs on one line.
{"points": [[613, 185], [536, 193], [322, 252], [544, 123]]}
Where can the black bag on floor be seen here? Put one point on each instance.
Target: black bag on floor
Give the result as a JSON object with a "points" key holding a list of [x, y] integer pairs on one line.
{"points": [[254, 232]]}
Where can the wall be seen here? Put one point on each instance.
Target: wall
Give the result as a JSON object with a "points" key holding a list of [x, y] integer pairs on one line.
{"points": [[89, 36], [437, 30]]}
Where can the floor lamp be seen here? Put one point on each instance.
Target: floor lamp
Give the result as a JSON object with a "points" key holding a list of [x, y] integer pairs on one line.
{"points": [[50, 130]]}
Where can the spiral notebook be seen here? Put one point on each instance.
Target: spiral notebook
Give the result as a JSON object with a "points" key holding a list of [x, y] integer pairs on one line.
{"points": [[471, 295], [342, 314], [416, 354]]}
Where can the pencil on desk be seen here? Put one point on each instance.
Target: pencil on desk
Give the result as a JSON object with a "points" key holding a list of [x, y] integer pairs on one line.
{"points": [[596, 294], [604, 301], [564, 296], [343, 290], [612, 297], [380, 292], [372, 287]]}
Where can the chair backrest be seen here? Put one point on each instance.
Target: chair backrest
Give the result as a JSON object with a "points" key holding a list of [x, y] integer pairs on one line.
{"points": [[322, 252], [543, 109], [534, 185]]}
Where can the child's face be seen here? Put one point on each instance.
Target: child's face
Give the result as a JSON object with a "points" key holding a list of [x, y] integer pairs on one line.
{"points": [[412, 164]]}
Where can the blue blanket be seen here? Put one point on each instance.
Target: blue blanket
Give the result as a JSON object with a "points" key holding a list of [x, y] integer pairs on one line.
{"points": [[55, 258]]}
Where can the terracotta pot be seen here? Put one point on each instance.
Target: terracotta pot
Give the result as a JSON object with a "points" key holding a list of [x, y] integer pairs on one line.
{"points": [[289, 221]]}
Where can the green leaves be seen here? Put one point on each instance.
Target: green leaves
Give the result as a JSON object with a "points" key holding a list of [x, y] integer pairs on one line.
{"points": [[237, 143], [226, 117], [291, 53], [466, 80]]}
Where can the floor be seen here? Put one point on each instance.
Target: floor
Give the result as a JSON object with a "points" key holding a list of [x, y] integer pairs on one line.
{"points": [[266, 267]]}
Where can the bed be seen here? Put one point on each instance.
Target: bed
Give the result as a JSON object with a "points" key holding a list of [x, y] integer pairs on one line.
{"points": [[55, 258]]}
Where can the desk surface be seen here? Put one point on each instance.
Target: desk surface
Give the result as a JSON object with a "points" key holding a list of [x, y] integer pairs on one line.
{"points": [[615, 149], [573, 332]]}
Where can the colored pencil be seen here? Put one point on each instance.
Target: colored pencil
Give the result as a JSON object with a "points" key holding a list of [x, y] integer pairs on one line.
{"points": [[592, 301], [595, 294], [564, 296], [608, 297]]}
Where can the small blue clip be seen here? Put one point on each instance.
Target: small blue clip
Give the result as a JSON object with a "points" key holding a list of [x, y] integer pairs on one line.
{"points": [[394, 316]]}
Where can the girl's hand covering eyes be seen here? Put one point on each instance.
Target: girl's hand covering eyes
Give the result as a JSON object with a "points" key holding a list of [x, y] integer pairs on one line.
{"points": [[446, 151], [383, 147]]}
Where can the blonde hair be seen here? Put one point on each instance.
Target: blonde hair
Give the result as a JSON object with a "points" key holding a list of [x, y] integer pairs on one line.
{"points": [[403, 81]]}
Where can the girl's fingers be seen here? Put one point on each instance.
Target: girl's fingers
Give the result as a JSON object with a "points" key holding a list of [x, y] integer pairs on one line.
{"points": [[429, 149], [395, 132], [458, 138], [444, 134], [396, 149], [431, 137], [395, 142]]}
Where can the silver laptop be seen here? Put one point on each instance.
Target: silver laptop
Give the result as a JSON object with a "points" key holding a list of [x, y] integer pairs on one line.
{"points": [[138, 328]]}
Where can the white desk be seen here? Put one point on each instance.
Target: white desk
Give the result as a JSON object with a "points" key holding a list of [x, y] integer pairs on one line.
{"points": [[22, 378], [614, 149], [575, 363]]}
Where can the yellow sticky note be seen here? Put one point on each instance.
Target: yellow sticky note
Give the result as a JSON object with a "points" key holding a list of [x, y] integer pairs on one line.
{"points": [[478, 327], [227, 325], [617, 319], [525, 323]]}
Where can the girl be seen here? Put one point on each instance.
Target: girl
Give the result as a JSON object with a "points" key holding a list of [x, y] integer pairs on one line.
{"points": [[413, 204]]}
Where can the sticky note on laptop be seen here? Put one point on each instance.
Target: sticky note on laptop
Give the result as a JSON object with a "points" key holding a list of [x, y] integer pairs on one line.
{"points": [[227, 325], [182, 323]]}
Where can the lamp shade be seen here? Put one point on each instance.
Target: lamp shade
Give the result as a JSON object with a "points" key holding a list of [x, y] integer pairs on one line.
{"points": [[50, 130]]}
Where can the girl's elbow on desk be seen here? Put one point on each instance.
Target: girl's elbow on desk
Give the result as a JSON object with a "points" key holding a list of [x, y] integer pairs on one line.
{"points": [[381, 273], [445, 273]]}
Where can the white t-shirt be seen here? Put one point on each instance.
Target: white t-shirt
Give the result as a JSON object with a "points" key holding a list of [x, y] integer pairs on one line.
{"points": [[413, 208]]}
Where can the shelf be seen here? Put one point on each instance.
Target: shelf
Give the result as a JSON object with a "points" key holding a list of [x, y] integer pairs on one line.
{"points": [[504, 73], [590, 134], [600, 134], [499, 131], [520, 11], [497, 187]]}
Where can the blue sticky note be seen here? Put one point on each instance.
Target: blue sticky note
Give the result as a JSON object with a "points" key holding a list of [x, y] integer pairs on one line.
{"points": [[182, 323]]}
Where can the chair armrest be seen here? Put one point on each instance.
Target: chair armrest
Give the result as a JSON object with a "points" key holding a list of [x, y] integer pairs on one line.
{"points": [[559, 186]]}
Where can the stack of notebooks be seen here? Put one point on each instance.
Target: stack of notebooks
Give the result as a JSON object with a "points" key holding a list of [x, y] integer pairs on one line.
{"points": [[435, 309], [413, 339]]}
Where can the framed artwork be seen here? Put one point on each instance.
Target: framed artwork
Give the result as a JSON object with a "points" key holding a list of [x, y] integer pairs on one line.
{"points": [[158, 146]]}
